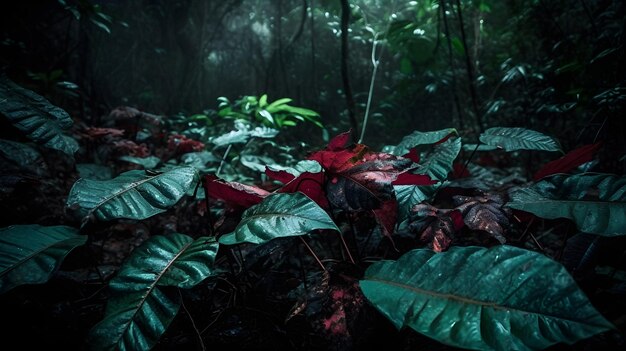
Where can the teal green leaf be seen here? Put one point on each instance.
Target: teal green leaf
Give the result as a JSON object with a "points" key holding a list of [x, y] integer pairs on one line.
{"points": [[300, 167], [439, 162], [198, 160], [138, 311], [147, 162], [132, 195], [279, 215], [595, 202], [418, 138], [36, 117], [94, 171], [502, 298], [30, 254], [407, 197], [511, 139]]}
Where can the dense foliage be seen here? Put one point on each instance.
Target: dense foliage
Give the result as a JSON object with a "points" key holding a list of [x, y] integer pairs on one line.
{"points": [[313, 174]]}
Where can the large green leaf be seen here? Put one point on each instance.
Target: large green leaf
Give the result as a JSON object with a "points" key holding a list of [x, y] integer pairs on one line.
{"points": [[29, 254], [32, 114], [511, 139], [138, 311], [418, 138], [574, 197], [502, 298], [279, 215], [133, 194]]}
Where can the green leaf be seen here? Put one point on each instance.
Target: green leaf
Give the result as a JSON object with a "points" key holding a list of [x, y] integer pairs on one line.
{"points": [[511, 139], [439, 162], [272, 107], [407, 197], [29, 254], [147, 162], [573, 197], [263, 101], [36, 117], [418, 138], [300, 167], [132, 195], [138, 311], [279, 215], [502, 298]]}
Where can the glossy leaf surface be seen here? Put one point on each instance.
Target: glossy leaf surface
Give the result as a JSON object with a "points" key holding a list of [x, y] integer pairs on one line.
{"points": [[503, 298], [147, 162], [139, 311], [595, 202], [36, 117], [29, 254], [511, 139], [133, 194], [279, 215], [418, 138]]}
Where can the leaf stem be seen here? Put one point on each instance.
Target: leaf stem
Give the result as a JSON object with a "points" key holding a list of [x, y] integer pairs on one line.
{"points": [[193, 323], [313, 254], [219, 169]]}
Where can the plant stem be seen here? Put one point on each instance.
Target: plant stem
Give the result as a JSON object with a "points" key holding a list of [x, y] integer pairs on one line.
{"points": [[347, 89], [345, 246], [375, 63]]}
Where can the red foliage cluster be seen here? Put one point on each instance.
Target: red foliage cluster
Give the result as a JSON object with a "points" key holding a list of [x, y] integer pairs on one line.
{"points": [[353, 179], [130, 148], [94, 133]]}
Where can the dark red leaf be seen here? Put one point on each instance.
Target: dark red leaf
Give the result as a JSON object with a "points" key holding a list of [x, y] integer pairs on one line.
{"points": [[486, 213], [568, 162], [460, 171], [235, 195], [310, 184], [387, 216], [413, 155], [340, 141], [408, 178], [180, 144], [365, 186], [281, 176], [437, 226], [341, 160]]}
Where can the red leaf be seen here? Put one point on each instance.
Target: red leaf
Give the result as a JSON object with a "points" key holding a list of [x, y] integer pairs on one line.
{"points": [[387, 216], [339, 142], [310, 184], [234, 194], [457, 219], [182, 145], [568, 162], [340, 160], [407, 178], [281, 176], [444, 139], [413, 155], [365, 186]]}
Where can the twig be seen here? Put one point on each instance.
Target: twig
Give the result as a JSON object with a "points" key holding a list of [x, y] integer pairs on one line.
{"points": [[219, 169], [193, 323], [536, 242]]}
